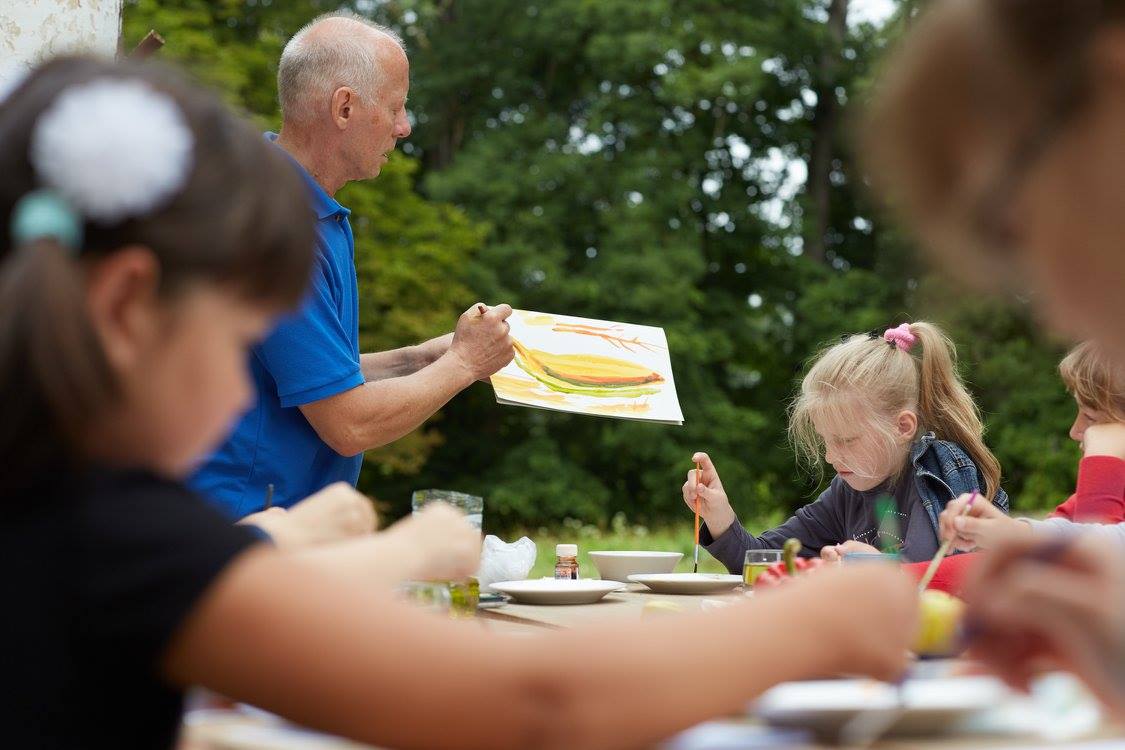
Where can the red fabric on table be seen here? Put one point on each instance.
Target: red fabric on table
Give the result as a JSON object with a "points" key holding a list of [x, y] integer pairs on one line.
{"points": [[1099, 496], [951, 572]]}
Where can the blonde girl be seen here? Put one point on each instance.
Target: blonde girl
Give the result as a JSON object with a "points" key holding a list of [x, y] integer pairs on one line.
{"points": [[889, 413]]}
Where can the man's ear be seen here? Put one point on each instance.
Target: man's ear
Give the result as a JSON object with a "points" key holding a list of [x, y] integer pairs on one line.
{"points": [[343, 106], [121, 302]]}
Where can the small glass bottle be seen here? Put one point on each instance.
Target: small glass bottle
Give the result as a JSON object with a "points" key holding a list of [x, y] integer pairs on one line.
{"points": [[566, 562]]}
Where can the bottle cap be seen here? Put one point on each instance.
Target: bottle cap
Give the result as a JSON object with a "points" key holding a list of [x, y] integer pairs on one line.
{"points": [[566, 550]]}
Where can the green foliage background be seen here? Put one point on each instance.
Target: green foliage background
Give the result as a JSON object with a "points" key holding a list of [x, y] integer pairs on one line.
{"points": [[639, 161]]}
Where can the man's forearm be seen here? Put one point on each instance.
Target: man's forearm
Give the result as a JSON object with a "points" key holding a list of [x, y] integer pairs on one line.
{"points": [[393, 407], [406, 360]]}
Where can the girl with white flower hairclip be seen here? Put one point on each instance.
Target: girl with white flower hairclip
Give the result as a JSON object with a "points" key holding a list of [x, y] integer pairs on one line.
{"points": [[150, 239]]}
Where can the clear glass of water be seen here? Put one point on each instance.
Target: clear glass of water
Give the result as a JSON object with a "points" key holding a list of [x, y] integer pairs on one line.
{"points": [[464, 595], [471, 505]]}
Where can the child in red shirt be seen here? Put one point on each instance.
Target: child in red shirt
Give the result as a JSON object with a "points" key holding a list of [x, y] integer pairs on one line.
{"points": [[1098, 388]]}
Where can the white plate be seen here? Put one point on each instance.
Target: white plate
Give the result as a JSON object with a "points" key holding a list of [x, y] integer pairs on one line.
{"points": [[927, 706], [687, 583], [553, 591], [619, 565]]}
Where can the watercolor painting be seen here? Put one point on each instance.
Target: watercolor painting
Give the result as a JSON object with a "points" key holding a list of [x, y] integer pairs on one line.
{"points": [[597, 367]]}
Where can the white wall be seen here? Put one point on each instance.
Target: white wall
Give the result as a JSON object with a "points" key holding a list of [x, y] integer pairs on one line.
{"points": [[34, 30]]}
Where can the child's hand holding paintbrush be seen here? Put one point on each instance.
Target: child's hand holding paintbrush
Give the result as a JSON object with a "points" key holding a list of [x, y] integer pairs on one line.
{"points": [[979, 525], [1056, 604], [713, 506]]}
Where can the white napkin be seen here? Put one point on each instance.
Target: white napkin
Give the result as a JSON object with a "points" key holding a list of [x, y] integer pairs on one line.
{"points": [[501, 561]]}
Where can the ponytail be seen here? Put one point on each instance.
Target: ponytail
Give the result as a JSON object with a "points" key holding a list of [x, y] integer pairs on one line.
{"points": [[910, 367], [945, 406], [68, 204], [53, 373]]}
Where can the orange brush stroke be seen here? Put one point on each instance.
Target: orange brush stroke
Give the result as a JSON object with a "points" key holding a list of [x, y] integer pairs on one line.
{"points": [[606, 334]]}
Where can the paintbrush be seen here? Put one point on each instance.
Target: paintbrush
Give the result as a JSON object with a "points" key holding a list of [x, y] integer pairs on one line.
{"points": [[943, 550], [698, 479]]}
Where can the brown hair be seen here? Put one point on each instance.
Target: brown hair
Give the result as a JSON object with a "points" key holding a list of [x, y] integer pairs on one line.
{"points": [[241, 220], [882, 380], [1095, 380], [974, 94]]}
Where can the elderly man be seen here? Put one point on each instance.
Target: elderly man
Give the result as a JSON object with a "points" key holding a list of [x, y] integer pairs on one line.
{"points": [[342, 83]]}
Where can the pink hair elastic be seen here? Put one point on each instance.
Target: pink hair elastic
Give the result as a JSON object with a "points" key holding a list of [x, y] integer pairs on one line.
{"points": [[901, 337]]}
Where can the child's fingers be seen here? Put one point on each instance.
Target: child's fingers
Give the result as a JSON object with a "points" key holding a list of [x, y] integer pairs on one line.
{"points": [[952, 510], [693, 478], [705, 495], [984, 509], [964, 544], [708, 497], [831, 553], [689, 494], [952, 515], [710, 473], [957, 505], [969, 531], [970, 527]]}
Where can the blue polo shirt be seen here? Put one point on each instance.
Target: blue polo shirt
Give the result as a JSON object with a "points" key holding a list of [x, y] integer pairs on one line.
{"points": [[311, 355]]}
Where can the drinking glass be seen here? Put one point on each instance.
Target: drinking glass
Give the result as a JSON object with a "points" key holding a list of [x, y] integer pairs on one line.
{"points": [[464, 595], [471, 505], [755, 563], [431, 596]]}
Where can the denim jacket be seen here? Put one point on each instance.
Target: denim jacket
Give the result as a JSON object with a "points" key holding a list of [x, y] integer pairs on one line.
{"points": [[942, 472]]}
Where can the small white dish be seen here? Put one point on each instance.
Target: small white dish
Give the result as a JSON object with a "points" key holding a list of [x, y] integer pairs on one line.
{"points": [[555, 591], [619, 565], [687, 583], [923, 707]]}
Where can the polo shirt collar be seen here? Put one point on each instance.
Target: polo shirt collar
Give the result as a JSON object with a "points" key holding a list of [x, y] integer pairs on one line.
{"points": [[325, 206]]}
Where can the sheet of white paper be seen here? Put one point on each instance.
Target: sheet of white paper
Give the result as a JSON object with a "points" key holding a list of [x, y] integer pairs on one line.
{"points": [[586, 366]]}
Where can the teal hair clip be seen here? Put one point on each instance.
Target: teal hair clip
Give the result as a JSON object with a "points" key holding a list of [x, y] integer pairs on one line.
{"points": [[44, 213]]}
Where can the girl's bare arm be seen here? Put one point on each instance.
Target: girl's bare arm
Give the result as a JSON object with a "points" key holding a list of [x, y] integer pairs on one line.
{"points": [[333, 655]]}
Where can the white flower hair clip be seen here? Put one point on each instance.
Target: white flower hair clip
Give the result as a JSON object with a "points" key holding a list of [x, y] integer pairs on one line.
{"points": [[113, 148]]}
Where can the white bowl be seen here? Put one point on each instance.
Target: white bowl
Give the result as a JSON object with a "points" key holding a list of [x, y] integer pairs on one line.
{"points": [[618, 566]]}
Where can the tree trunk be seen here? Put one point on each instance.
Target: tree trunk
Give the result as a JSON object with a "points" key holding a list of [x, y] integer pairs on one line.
{"points": [[35, 32], [452, 134], [826, 123]]}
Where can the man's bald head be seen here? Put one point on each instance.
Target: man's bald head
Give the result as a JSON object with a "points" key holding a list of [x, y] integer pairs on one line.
{"points": [[331, 51]]}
